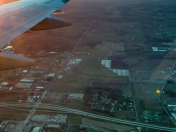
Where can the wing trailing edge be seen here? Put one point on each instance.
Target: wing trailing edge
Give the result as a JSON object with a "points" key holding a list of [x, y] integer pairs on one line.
{"points": [[51, 22], [11, 61]]}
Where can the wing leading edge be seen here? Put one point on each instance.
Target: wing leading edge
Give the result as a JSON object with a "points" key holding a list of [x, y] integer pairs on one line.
{"points": [[18, 17]]}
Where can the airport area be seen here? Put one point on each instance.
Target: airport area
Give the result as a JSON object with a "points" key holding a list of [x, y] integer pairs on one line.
{"points": [[113, 70]]}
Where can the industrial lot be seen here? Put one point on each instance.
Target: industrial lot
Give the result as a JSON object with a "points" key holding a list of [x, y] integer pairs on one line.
{"points": [[112, 70]]}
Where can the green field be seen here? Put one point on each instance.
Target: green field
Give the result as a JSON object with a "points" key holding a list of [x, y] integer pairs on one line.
{"points": [[76, 103], [92, 70], [74, 119]]}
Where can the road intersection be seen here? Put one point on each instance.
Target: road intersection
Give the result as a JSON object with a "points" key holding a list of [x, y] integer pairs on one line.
{"points": [[86, 114]]}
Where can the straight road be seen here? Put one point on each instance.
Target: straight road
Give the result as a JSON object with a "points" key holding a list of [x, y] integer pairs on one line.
{"points": [[161, 91], [88, 114], [54, 79]]}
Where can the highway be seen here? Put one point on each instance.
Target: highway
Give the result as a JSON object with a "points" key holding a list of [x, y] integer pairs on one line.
{"points": [[161, 91], [88, 114]]}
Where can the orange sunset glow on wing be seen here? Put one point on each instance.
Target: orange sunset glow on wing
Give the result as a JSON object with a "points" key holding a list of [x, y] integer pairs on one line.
{"points": [[6, 1]]}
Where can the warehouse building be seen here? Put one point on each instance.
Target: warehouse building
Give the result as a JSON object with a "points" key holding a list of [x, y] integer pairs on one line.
{"points": [[24, 85], [106, 63], [119, 72], [75, 96]]}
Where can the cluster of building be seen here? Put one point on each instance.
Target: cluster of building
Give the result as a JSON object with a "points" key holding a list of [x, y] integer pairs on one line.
{"points": [[83, 127], [56, 98], [166, 47], [62, 97], [155, 119], [50, 118], [10, 126], [72, 64], [100, 99], [47, 123], [34, 80], [172, 109], [38, 123], [91, 128], [31, 77], [70, 128], [116, 105]]}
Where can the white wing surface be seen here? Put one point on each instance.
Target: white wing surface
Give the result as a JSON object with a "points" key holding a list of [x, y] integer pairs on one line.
{"points": [[18, 17]]}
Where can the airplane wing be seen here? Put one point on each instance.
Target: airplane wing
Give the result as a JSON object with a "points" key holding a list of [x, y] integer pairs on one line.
{"points": [[18, 17]]}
